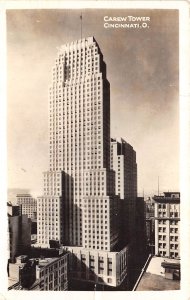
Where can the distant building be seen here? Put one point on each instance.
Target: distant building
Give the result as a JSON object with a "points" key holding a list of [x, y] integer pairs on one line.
{"points": [[13, 210], [167, 225], [140, 225], [150, 232], [149, 208], [44, 274], [29, 205], [19, 232]]}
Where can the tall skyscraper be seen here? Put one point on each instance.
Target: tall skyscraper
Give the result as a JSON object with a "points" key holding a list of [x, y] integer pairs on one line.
{"points": [[79, 151], [79, 207]]}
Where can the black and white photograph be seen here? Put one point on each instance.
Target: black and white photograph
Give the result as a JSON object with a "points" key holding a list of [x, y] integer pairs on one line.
{"points": [[93, 197]]}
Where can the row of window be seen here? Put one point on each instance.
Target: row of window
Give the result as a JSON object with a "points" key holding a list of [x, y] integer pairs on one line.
{"points": [[75, 66], [68, 91], [65, 102], [172, 206], [75, 74], [172, 230], [30, 201], [171, 214], [74, 85]]}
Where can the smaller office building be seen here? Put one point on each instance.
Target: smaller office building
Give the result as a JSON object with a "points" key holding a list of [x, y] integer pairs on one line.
{"points": [[29, 205], [167, 225], [98, 267], [39, 274]]}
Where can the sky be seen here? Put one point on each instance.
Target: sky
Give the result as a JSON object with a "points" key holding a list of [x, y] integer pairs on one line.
{"points": [[142, 68]]}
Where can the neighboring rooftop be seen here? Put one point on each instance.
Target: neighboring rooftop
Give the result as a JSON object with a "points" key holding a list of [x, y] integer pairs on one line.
{"points": [[167, 197], [24, 195], [154, 277], [46, 261], [12, 282]]}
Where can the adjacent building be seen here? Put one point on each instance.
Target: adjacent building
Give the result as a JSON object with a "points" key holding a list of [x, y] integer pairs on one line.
{"points": [[123, 162], [140, 226], [29, 205], [159, 274], [81, 206], [39, 274], [167, 224], [99, 267], [19, 232], [150, 225]]}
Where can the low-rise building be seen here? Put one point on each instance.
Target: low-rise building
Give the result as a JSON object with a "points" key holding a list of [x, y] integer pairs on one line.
{"points": [[98, 267], [44, 274]]}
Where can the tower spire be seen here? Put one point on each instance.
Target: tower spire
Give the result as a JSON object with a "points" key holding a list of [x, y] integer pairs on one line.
{"points": [[81, 25]]}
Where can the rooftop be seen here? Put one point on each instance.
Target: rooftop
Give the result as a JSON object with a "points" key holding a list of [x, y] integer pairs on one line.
{"points": [[167, 197], [46, 261], [172, 195], [154, 277], [23, 195]]}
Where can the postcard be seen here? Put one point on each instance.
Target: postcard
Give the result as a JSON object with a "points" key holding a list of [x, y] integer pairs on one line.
{"points": [[96, 102]]}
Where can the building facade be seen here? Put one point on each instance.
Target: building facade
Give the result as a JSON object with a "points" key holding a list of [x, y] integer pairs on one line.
{"points": [[19, 232], [29, 205], [150, 225], [79, 147], [42, 274], [123, 162], [167, 225], [98, 267], [79, 207]]}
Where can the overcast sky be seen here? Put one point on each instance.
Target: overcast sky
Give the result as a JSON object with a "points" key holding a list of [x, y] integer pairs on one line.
{"points": [[142, 67]]}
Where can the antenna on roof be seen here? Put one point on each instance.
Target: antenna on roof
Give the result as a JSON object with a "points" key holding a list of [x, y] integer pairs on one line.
{"points": [[81, 25], [158, 186]]}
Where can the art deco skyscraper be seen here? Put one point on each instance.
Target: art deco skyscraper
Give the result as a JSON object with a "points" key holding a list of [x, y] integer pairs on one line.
{"points": [[79, 186], [79, 207]]}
